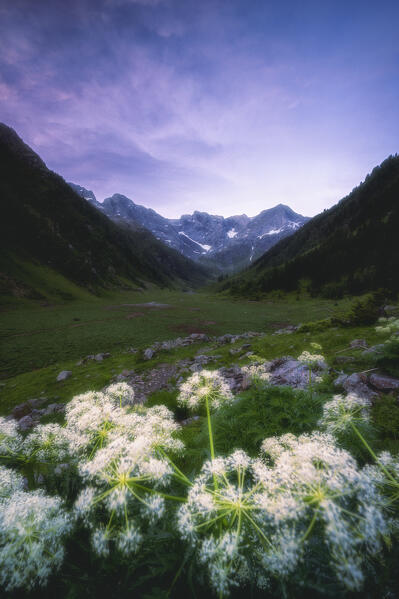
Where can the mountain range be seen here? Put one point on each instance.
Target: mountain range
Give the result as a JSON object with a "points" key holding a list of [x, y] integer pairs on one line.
{"points": [[53, 240], [225, 244]]}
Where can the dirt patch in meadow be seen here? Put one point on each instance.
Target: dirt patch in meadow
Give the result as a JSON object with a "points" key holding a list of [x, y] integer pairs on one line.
{"points": [[194, 327], [280, 324], [135, 315], [148, 305]]}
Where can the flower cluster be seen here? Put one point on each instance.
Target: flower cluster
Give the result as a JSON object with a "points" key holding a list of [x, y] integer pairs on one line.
{"points": [[10, 438], [32, 530], [124, 478], [257, 373], [312, 477], [121, 394], [341, 412], [221, 519], [204, 386], [315, 360], [388, 325], [48, 443]]}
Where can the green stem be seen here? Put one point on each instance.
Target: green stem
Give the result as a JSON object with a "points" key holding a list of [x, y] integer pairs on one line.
{"points": [[177, 470], [212, 448], [310, 527], [149, 490], [363, 440]]}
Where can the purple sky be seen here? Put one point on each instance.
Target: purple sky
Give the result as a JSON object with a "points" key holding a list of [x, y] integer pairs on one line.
{"points": [[227, 106]]}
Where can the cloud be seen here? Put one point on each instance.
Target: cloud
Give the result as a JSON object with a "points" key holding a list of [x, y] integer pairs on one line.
{"points": [[202, 105]]}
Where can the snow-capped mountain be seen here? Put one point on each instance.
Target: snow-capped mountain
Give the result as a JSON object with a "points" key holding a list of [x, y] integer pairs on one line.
{"points": [[227, 243]]}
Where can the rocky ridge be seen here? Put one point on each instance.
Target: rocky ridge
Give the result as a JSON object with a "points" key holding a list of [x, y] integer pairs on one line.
{"points": [[226, 243]]}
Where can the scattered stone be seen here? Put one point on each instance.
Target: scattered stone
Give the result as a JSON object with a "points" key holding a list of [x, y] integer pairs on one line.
{"points": [[27, 422], [63, 375], [54, 408], [359, 343], [356, 383], [375, 349], [148, 354], [384, 382], [344, 359], [287, 330]]}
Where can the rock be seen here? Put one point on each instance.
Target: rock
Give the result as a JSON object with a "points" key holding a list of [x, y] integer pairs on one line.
{"points": [[27, 422], [148, 354], [21, 410], [390, 310], [359, 343], [225, 338], [63, 375], [54, 408], [286, 331], [375, 349], [293, 373], [384, 382], [344, 359], [355, 383]]}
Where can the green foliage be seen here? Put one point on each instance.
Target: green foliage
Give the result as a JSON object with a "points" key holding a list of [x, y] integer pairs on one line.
{"points": [[388, 358], [260, 413], [316, 326], [386, 420], [363, 311]]}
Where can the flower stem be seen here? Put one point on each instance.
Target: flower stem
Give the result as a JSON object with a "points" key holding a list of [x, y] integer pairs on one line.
{"points": [[212, 448], [363, 440]]}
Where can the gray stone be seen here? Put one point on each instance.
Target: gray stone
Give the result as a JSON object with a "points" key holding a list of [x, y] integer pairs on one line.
{"points": [[344, 359], [355, 383], [359, 343], [148, 354], [54, 408], [384, 382], [375, 349], [63, 375], [27, 422]]}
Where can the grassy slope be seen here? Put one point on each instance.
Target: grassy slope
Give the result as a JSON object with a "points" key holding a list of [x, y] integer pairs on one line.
{"points": [[39, 341], [351, 248]]}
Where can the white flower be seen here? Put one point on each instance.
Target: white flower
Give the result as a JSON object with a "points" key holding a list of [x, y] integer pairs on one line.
{"points": [[10, 481], [341, 412], [205, 385], [10, 438], [387, 325], [312, 360], [311, 475], [49, 443], [257, 372], [121, 394], [129, 540], [32, 529]]}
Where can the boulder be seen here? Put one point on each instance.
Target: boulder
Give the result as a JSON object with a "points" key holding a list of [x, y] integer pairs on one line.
{"points": [[27, 422], [355, 383], [63, 375], [384, 382], [374, 350], [148, 354], [359, 343]]}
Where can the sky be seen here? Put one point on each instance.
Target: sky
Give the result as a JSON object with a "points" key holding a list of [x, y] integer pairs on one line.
{"points": [[224, 106]]}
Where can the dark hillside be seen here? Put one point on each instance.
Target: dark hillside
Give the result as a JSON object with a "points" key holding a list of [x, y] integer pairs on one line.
{"points": [[45, 222], [350, 248]]}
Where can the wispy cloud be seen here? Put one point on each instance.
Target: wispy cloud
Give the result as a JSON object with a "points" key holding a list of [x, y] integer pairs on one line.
{"points": [[212, 105]]}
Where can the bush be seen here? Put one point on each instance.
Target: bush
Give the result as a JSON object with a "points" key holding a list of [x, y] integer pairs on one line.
{"points": [[260, 413]]}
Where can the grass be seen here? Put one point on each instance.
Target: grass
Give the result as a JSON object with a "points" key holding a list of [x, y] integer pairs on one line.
{"points": [[39, 338]]}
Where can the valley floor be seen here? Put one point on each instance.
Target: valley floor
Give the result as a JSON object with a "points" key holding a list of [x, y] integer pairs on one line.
{"points": [[40, 339]]}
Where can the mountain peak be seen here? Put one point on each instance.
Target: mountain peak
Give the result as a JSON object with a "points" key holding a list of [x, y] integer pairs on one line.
{"points": [[11, 142]]}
